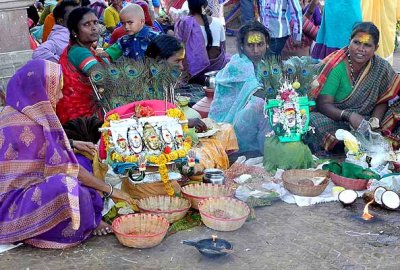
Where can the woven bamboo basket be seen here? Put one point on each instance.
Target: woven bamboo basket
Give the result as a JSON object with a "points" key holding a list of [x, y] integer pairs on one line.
{"points": [[198, 192], [140, 230], [291, 182], [349, 183], [223, 214], [172, 208]]}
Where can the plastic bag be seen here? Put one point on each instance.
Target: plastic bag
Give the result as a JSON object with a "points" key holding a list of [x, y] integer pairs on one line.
{"points": [[378, 150]]}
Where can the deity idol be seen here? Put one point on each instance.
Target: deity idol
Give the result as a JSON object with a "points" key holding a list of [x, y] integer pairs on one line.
{"points": [[151, 139], [135, 141]]}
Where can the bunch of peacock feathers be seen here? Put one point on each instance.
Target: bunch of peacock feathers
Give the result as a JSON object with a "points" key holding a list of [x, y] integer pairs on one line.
{"points": [[306, 71], [127, 81], [273, 71]]}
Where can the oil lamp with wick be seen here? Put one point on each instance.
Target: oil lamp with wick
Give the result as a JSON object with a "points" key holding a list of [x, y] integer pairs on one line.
{"points": [[211, 247]]}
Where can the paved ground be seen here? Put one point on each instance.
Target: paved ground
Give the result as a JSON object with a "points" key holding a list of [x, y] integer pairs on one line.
{"points": [[282, 236]]}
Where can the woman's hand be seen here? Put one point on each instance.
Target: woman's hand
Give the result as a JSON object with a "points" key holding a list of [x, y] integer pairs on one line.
{"points": [[121, 195], [355, 120], [197, 124], [101, 53], [87, 147]]}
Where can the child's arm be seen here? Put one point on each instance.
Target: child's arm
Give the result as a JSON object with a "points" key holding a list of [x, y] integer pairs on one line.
{"points": [[114, 51]]}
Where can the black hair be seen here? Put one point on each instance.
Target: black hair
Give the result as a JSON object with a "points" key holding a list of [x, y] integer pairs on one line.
{"points": [[74, 18], [33, 14], [85, 3], [83, 129], [59, 11], [253, 26], [195, 7], [163, 47], [366, 27]]}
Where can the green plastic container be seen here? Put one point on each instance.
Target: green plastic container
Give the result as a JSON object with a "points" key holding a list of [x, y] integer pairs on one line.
{"points": [[305, 105]]}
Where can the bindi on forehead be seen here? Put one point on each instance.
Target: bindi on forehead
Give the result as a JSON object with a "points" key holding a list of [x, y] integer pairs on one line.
{"points": [[365, 38], [254, 38]]}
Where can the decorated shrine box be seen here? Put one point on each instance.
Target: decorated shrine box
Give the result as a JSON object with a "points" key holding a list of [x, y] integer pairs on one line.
{"points": [[289, 117]]}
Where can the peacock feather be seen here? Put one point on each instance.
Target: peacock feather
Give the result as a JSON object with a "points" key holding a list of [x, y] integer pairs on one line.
{"points": [[275, 63], [127, 80], [264, 73], [308, 70]]}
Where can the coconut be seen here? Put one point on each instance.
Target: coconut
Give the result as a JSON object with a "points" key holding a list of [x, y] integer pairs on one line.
{"points": [[347, 196], [378, 194], [390, 200]]}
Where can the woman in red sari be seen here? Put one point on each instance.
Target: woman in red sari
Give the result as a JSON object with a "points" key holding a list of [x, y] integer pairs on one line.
{"points": [[77, 62]]}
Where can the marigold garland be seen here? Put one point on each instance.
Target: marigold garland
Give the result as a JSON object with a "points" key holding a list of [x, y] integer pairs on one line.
{"points": [[160, 160]]}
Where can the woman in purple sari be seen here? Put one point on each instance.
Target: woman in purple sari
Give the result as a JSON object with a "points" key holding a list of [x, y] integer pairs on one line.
{"points": [[46, 198], [204, 39]]}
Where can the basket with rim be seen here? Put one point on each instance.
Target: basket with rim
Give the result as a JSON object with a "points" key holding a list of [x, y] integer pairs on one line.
{"points": [[172, 208], [140, 230], [349, 183], [293, 180], [195, 193], [223, 214]]}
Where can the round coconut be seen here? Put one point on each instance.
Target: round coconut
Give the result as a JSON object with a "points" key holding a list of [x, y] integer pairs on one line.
{"points": [[378, 194], [390, 199], [347, 197]]}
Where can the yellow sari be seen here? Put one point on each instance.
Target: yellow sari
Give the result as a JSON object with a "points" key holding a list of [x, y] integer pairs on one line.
{"points": [[384, 14]]}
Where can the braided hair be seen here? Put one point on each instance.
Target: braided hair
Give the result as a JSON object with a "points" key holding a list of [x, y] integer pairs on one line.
{"points": [[195, 8]]}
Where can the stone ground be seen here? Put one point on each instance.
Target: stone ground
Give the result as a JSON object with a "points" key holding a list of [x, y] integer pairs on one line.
{"points": [[282, 236]]}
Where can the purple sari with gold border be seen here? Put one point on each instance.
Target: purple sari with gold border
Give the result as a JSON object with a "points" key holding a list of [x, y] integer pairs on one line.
{"points": [[42, 203]]}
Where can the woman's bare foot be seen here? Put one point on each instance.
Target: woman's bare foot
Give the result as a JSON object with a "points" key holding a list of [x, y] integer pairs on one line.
{"points": [[102, 229]]}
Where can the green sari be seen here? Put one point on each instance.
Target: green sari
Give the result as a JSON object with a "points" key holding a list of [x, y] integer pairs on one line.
{"points": [[378, 84]]}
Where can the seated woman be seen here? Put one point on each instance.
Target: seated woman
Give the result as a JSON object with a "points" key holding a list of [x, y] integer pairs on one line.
{"points": [[204, 39], [234, 101], [111, 15], [78, 61], [211, 151], [355, 86], [47, 198]]}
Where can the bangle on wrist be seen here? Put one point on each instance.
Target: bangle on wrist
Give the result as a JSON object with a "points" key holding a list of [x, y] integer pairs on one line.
{"points": [[345, 115], [108, 195], [341, 114]]}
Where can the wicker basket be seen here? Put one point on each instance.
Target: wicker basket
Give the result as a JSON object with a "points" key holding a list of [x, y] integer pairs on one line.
{"points": [[349, 183], [291, 182], [140, 230], [198, 192], [172, 208], [223, 214]]}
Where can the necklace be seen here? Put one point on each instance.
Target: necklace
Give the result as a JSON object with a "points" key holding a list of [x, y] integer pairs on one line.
{"points": [[352, 77]]}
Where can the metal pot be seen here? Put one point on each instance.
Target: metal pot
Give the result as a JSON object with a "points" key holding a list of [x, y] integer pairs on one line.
{"points": [[214, 176], [210, 79]]}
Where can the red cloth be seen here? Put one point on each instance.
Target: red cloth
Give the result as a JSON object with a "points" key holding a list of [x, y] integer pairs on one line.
{"points": [[174, 3], [127, 110], [78, 96], [32, 43], [117, 34]]}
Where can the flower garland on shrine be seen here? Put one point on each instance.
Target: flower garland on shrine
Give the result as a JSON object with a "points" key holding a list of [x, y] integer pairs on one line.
{"points": [[288, 114], [160, 160]]}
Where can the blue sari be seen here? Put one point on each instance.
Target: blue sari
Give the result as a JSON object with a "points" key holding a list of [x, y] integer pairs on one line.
{"points": [[234, 103]]}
